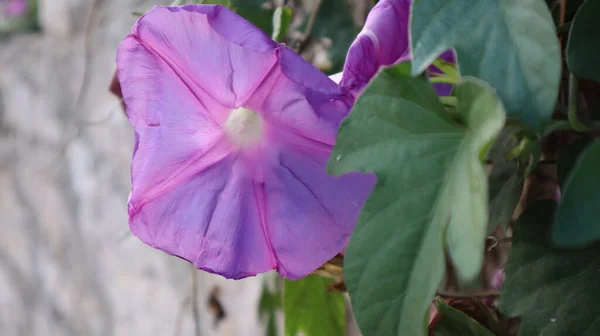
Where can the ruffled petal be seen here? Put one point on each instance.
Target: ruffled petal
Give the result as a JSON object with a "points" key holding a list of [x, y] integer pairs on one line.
{"points": [[309, 214], [384, 40], [175, 137], [211, 48], [444, 89], [211, 220], [235, 213], [300, 99]]}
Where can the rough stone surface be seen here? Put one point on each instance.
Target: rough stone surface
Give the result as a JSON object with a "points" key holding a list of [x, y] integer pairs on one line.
{"points": [[68, 265]]}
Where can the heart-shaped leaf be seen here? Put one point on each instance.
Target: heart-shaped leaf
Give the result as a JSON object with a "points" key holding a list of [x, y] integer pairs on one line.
{"points": [[555, 291], [583, 47], [429, 181], [576, 220], [311, 309], [511, 44], [454, 322]]}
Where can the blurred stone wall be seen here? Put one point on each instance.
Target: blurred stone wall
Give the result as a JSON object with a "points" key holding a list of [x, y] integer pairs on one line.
{"points": [[68, 264]]}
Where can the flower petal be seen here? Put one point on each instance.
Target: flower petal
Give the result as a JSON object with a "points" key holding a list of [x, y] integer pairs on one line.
{"points": [[310, 214], [211, 48], [444, 89], [384, 40], [175, 138], [211, 220], [301, 99]]}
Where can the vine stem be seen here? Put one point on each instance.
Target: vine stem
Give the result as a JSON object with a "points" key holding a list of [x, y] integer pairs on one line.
{"points": [[443, 80], [496, 241], [461, 295], [309, 27], [561, 19], [572, 109], [449, 101]]}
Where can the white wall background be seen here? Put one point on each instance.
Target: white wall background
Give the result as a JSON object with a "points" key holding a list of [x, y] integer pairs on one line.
{"points": [[68, 266]]}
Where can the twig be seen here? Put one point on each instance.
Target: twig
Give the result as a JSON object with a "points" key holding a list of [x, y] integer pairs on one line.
{"points": [[75, 133], [563, 11], [462, 295], [79, 124], [195, 309], [561, 19], [492, 322], [87, 53], [572, 109], [303, 42], [564, 28], [496, 241]]}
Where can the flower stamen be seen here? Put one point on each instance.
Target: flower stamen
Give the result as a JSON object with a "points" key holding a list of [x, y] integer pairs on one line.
{"points": [[244, 128]]}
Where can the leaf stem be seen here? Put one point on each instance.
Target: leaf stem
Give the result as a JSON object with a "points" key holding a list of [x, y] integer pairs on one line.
{"points": [[496, 241], [449, 101], [492, 322], [443, 80], [520, 149], [572, 109], [557, 125], [449, 69]]}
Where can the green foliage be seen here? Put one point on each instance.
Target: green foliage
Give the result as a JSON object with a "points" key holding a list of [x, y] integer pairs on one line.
{"points": [[556, 291], [431, 187], [310, 308], [334, 21], [506, 180], [567, 158], [282, 17], [269, 303], [456, 323], [583, 47], [576, 219], [511, 44]]}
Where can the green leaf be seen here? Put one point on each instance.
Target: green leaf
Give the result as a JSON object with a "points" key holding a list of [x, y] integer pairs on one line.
{"points": [[269, 303], [281, 21], [506, 180], [567, 158], [554, 6], [428, 177], [583, 46], [511, 44], [506, 185], [310, 308], [454, 322], [576, 220], [556, 291], [334, 20]]}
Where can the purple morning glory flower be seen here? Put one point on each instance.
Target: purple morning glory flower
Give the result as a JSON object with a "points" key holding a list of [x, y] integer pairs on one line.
{"points": [[232, 135], [13, 8], [384, 40]]}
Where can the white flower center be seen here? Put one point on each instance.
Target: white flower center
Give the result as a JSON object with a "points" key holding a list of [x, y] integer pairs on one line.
{"points": [[244, 128]]}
